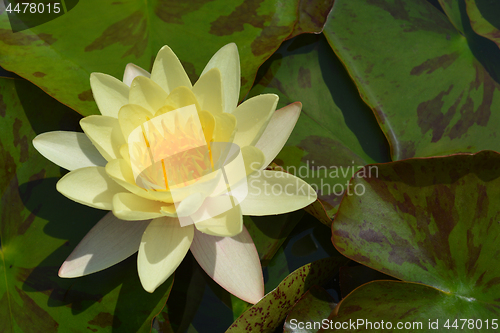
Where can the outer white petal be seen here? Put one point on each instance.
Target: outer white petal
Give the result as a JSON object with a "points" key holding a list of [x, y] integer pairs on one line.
{"points": [[106, 135], [69, 150], [278, 131], [227, 60], [146, 93], [89, 186], [163, 246], [226, 224], [168, 71], [110, 94], [131, 71], [110, 241], [130, 207], [208, 91], [276, 192], [232, 262], [252, 117]]}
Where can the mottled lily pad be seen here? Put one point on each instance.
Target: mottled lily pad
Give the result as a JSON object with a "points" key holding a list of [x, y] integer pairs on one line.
{"points": [[485, 18], [270, 311], [336, 133], [433, 90], [431, 221], [309, 312], [103, 36]]}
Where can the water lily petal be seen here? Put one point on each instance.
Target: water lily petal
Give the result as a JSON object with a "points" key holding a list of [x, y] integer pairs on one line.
{"points": [[168, 71], [119, 170], [252, 117], [105, 133], [146, 93], [208, 91], [110, 94], [181, 97], [110, 241], [89, 186], [227, 224], [233, 262], [163, 246], [69, 150], [276, 192], [254, 159], [207, 121], [130, 207], [225, 127], [131, 71], [132, 116], [278, 131], [227, 60], [189, 205]]}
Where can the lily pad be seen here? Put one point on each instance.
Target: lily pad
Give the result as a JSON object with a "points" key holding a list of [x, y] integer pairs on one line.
{"points": [[270, 311], [39, 228], [352, 277], [432, 89], [385, 306], [103, 36], [309, 312], [431, 221], [484, 18], [336, 133], [452, 9]]}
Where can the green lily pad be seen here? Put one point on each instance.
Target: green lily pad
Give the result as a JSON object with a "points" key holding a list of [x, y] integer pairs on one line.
{"points": [[39, 228], [308, 313], [352, 277], [484, 18], [452, 10], [429, 86], [432, 221], [269, 312], [103, 36], [336, 133], [383, 306]]}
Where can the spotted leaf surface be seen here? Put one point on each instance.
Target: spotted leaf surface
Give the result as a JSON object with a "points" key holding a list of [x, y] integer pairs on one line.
{"points": [[454, 9], [410, 307], [308, 313], [103, 36], [39, 228], [434, 91], [484, 18], [336, 133], [433, 221], [270, 311]]}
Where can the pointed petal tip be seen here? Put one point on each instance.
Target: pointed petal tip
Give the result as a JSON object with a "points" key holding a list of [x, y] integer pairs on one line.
{"points": [[132, 71], [165, 47], [149, 289], [68, 271], [231, 45], [96, 75], [61, 272]]}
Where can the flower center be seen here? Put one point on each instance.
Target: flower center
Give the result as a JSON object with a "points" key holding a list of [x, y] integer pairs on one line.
{"points": [[170, 150]]}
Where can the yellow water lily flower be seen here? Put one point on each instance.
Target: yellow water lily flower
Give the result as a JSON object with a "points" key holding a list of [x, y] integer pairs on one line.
{"points": [[149, 219]]}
